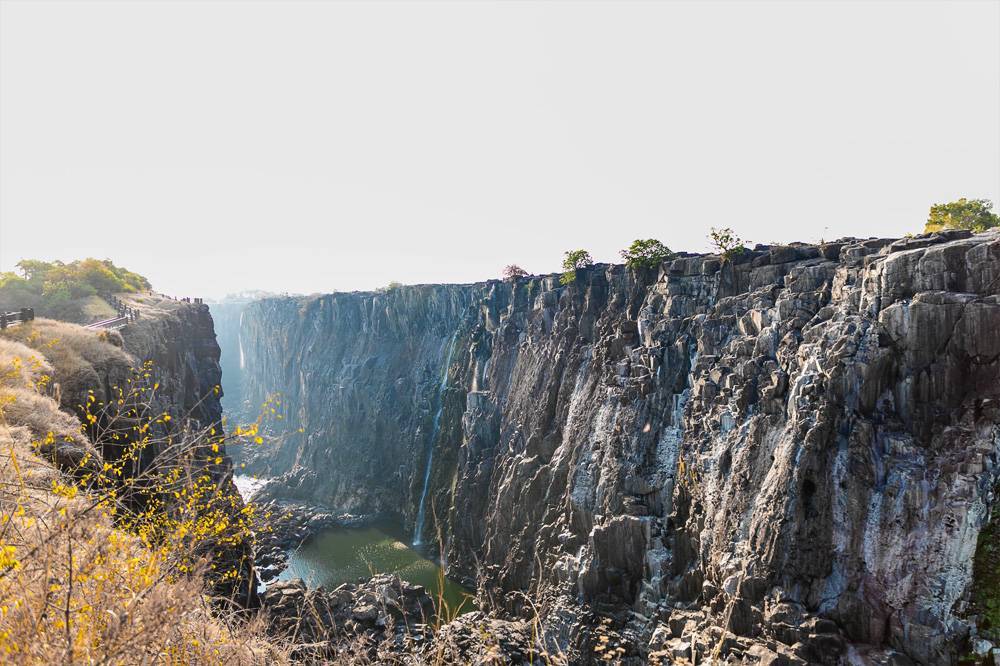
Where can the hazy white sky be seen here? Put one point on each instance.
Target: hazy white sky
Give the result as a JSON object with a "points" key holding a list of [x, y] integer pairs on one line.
{"points": [[321, 145]]}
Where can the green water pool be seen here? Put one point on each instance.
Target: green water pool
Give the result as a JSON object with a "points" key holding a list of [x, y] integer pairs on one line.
{"points": [[345, 554]]}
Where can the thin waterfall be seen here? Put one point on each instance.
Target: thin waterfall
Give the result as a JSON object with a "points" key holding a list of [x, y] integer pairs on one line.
{"points": [[239, 338], [418, 530]]}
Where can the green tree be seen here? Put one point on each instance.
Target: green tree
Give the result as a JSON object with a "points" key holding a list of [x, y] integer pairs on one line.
{"points": [[572, 261], [56, 289], [974, 215], [649, 253], [726, 242]]}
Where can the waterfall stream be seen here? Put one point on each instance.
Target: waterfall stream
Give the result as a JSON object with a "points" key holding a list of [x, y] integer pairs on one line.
{"points": [[418, 528], [239, 338]]}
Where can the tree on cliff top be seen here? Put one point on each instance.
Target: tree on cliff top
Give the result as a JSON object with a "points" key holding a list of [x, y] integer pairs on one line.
{"points": [[572, 261], [726, 242], [971, 214], [513, 271], [648, 253], [57, 290]]}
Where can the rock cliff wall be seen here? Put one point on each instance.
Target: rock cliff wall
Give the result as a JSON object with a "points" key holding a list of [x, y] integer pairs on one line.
{"points": [[793, 451], [226, 317], [179, 339], [360, 375]]}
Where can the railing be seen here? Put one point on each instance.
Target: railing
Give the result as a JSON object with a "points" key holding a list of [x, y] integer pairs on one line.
{"points": [[126, 314], [16, 317], [113, 324], [184, 299]]}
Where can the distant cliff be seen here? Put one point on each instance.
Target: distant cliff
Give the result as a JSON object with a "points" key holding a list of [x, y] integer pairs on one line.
{"points": [[792, 453], [226, 317]]}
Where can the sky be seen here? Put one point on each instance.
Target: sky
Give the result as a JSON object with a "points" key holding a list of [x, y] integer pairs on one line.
{"points": [[320, 146]]}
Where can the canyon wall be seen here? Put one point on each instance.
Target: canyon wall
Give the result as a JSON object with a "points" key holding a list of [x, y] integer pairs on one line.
{"points": [[179, 340], [796, 446], [226, 317], [358, 377]]}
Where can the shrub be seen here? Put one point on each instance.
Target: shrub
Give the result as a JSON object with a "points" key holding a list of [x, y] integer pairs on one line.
{"points": [[392, 286], [119, 581], [513, 271], [574, 260], [649, 253], [80, 357], [726, 242], [56, 289], [973, 215]]}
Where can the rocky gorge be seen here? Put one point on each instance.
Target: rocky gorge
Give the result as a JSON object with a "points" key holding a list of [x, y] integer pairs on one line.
{"points": [[785, 456]]}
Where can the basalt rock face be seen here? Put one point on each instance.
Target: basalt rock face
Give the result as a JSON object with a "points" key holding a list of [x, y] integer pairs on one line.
{"points": [[788, 455], [360, 375], [179, 340], [227, 316]]}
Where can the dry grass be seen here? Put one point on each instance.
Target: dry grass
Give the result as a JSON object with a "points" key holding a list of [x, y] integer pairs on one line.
{"points": [[28, 398], [81, 359], [74, 586], [95, 308], [74, 589]]}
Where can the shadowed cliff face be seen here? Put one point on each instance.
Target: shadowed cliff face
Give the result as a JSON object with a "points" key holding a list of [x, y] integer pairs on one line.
{"points": [[179, 339], [227, 316], [803, 432], [361, 375]]}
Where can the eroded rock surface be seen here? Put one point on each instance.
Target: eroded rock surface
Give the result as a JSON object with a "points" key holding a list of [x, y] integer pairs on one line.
{"points": [[790, 454]]}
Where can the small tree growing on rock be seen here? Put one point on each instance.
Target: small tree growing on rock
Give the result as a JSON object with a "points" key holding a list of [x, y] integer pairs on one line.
{"points": [[392, 286], [971, 214], [726, 242], [572, 261], [648, 253], [513, 271]]}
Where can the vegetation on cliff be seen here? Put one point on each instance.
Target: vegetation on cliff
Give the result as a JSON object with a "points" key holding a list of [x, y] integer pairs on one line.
{"points": [[971, 214], [573, 260], [116, 528], [65, 290], [726, 242], [648, 253], [513, 272]]}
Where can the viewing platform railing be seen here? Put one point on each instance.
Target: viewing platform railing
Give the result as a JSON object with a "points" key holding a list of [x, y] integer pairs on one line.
{"points": [[16, 317]]}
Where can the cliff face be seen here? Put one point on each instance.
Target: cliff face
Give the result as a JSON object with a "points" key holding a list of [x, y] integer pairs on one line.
{"points": [[802, 434], [226, 317], [179, 339], [361, 375]]}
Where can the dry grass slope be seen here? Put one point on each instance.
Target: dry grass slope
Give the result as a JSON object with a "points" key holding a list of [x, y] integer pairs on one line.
{"points": [[73, 587]]}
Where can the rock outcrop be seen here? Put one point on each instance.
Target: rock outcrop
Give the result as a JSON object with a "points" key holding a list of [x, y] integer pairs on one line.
{"points": [[785, 457], [179, 339]]}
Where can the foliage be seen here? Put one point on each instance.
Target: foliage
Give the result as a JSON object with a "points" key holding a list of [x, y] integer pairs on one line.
{"points": [[574, 260], [974, 215], [56, 289], [107, 562], [392, 286], [513, 271], [726, 242], [648, 253]]}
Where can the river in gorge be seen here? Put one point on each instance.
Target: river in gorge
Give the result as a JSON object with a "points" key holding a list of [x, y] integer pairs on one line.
{"points": [[345, 554]]}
